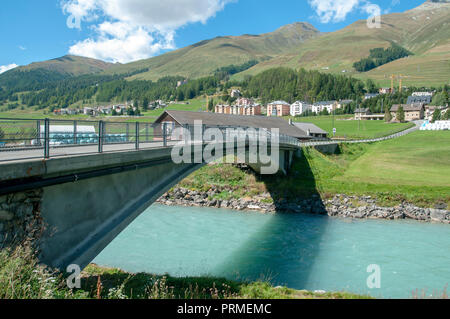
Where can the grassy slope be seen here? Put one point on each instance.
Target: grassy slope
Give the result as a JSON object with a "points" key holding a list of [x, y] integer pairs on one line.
{"points": [[415, 168], [425, 32], [203, 58], [21, 277], [69, 64], [354, 129]]}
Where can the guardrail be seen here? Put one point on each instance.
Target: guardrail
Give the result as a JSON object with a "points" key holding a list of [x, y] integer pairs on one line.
{"points": [[45, 138]]}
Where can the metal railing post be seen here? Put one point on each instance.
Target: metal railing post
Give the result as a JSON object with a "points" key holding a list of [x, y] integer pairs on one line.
{"points": [[75, 133], [100, 136], [128, 132], [47, 139], [164, 129], [137, 135], [146, 132], [38, 132]]}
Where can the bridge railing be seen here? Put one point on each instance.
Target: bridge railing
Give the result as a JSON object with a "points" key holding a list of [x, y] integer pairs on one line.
{"points": [[45, 138]]}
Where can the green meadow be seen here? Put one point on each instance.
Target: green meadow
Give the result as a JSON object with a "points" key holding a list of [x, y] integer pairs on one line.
{"points": [[346, 127]]}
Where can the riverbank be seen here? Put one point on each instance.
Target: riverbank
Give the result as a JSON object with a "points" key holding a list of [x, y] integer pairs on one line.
{"points": [[338, 206], [22, 277]]}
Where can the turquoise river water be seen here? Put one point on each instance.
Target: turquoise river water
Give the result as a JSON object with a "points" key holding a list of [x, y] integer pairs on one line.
{"points": [[299, 251]]}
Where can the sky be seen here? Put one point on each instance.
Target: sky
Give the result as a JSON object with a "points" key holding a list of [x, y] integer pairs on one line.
{"points": [[129, 30]]}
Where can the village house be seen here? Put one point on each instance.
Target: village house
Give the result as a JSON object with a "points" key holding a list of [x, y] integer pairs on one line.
{"points": [[385, 91], [244, 102], [310, 129], [324, 105], [278, 108], [173, 119], [423, 94], [429, 111], [366, 114], [223, 109], [342, 103], [300, 107], [369, 96], [413, 112], [425, 99], [359, 113], [235, 93]]}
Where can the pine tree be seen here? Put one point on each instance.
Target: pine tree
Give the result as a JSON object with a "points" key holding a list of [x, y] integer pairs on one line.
{"points": [[387, 115], [401, 114], [436, 115]]}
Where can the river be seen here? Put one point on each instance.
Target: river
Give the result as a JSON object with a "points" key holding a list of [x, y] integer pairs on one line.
{"points": [[299, 251]]}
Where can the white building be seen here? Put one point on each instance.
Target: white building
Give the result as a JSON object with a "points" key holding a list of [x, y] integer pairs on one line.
{"points": [[320, 106], [422, 94], [300, 107], [437, 126]]}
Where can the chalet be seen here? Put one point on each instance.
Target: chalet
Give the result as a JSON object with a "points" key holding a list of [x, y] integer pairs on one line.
{"points": [[366, 114], [182, 118], [359, 113], [413, 112], [278, 108]]}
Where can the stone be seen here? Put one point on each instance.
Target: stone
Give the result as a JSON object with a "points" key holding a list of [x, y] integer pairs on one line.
{"points": [[438, 215], [5, 215]]}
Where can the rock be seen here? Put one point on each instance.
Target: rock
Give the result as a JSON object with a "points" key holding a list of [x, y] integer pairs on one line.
{"points": [[438, 215], [5, 215], [253, 207], [441, 206]]}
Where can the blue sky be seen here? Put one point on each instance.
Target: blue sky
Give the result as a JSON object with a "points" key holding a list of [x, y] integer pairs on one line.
{"points": [[127, 30]]}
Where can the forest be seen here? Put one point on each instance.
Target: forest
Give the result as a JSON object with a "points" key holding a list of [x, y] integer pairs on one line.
{"points": [[380, 56]]}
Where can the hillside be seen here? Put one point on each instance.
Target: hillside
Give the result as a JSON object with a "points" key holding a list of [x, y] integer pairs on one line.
{"points": [[38, 75], [203, 58], [425, 31], [69, 64]]}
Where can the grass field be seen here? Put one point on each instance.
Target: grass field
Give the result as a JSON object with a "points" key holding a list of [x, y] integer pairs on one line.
{"points": [[354, 129], [414, 168], [419, 159]]}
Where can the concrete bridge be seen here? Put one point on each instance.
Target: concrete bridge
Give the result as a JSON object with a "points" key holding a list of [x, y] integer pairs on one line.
{"points": [[85, 195], [86, 199]]}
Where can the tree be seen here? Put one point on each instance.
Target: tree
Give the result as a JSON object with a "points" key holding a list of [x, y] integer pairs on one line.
{"points": [[445, 97], [387, 115], [211, 105], [436, 115], [400, 114], [446, 116], [145, 103], [370, 86]]}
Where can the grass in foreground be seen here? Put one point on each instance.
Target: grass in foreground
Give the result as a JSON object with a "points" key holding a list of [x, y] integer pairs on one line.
{"points": [[414, 168], [22, 278]]}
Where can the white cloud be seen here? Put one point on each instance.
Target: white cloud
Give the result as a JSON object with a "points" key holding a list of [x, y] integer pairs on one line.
{"points": [[4, 68], [337, 10], [128, 30]]}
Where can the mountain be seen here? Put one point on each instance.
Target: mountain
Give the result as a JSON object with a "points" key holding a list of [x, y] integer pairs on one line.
{"points": [[68, 65], [425, 31], [203, 58]]}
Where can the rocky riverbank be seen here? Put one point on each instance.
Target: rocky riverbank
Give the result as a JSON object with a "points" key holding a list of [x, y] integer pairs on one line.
{"points": [[339, 206]]}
